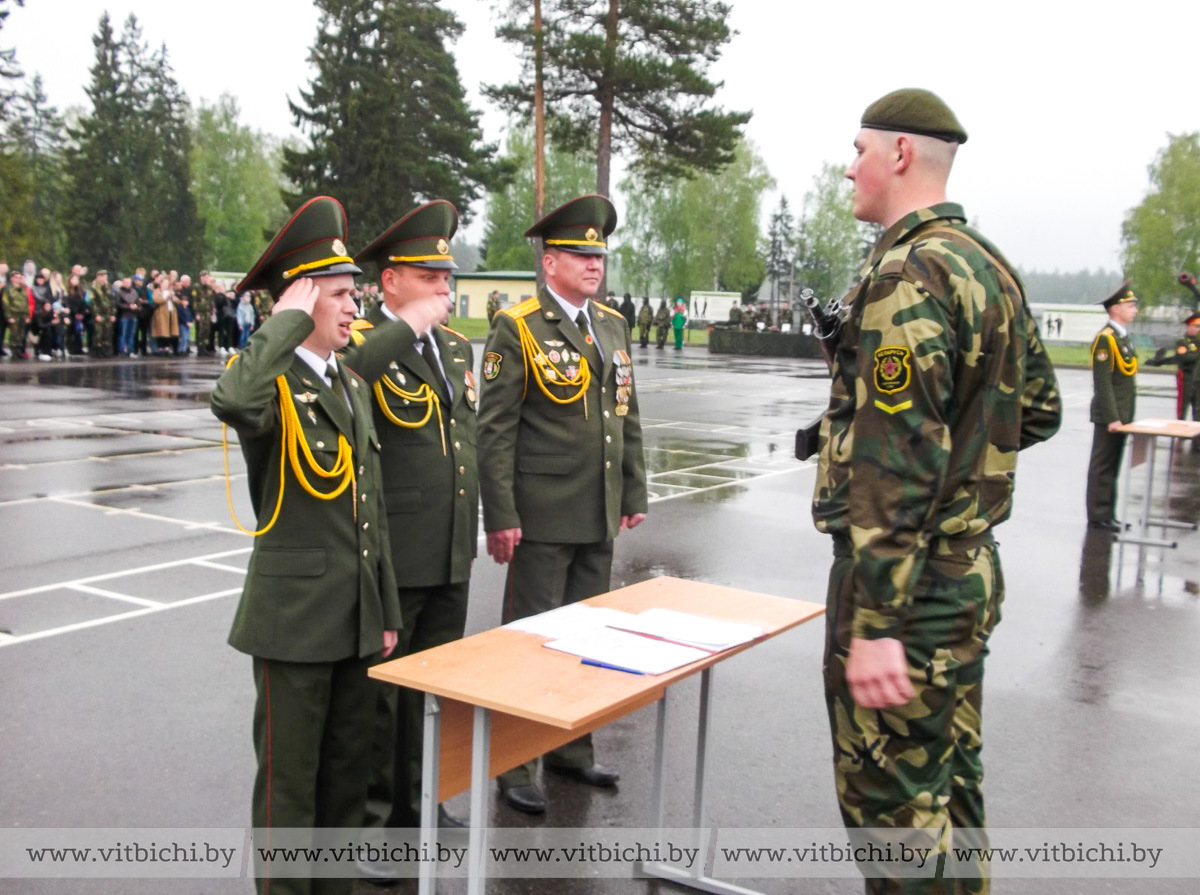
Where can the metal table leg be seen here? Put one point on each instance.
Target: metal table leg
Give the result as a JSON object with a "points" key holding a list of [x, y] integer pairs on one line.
{"points": [[480, 754], [1142, 538], [430, 770]]}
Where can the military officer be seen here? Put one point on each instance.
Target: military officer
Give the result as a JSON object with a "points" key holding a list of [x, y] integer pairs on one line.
{"points": [[645, 318], [1114, 368], [939, 377], [662, 324], [424, 404], [493, 306], [319, 604], [202, 310], [1185, 355], [560, 446]]}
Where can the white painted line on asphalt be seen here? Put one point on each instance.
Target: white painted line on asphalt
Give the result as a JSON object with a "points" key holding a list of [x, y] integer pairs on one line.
{"points": [[766, 475], [218, 565], [5, 638], [112, 595], [134, 511], [109, 619], [123, 572]]}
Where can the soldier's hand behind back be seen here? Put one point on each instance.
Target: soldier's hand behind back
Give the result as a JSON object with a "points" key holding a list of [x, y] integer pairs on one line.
{"points": [[300, 296]]}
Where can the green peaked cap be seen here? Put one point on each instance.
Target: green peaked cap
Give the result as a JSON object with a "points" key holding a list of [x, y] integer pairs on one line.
{"points": [[914, 111], [1123, 294], [311, 244], [581, 225], [421, 237]]}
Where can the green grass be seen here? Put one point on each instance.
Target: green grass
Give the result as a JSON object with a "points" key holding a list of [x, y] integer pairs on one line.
{"points": [[1067, 355], [477, 328]]}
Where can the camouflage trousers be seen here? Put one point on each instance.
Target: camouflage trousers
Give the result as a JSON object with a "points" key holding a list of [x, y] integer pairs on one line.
{"points": [[917, 766]]}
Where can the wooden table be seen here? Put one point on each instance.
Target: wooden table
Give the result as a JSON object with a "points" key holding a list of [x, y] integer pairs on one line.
{"points": [[1144, 435], [499, 698]]}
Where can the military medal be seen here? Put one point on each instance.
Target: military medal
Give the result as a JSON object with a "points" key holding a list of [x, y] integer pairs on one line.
{"points": [[312, 417], [555, 357], [554, 343], [622, 409], [400, 377]]}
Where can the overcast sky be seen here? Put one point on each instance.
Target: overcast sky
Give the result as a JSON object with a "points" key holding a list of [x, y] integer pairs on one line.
{"points": [[1065, 103]]}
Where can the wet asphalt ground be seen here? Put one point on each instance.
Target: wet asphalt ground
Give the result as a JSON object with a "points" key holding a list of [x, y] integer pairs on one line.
{"points": [[124, 707]]}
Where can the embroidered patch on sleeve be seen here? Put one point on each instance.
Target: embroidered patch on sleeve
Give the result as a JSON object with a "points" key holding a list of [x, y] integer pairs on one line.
{"points": [[491, 365], [1101, 355], [893, 370]]}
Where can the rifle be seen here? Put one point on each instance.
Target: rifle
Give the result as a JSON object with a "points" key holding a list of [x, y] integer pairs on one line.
{"points": [[827, 326]]}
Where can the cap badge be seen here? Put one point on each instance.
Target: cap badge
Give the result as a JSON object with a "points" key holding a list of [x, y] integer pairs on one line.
{"points": [[591, 234], [443, 247], [339, 247]]}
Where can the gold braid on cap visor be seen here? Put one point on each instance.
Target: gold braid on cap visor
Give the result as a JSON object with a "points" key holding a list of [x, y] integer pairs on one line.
{"points": [[313, 265]]}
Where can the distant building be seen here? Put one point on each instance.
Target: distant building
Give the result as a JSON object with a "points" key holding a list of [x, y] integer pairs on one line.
{"points": [[472, 290]]}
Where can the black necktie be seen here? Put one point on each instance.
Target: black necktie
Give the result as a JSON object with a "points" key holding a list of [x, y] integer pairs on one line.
{"points": [[431, 359], [331, 372], [582, 322]]}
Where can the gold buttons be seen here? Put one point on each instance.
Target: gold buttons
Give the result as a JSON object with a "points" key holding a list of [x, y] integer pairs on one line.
{"points": [[458, 446], [366, 525], [363, 498], [606, 414], [608, 464], [365, 554], [362, 470], [462, 470], [608, 439], [462, 492], [453, 422], [320, 444]]}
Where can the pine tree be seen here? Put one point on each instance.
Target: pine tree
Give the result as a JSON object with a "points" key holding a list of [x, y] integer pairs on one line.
{"points": [[96, 164], [387, 118], [628, 76], [38, 138]]}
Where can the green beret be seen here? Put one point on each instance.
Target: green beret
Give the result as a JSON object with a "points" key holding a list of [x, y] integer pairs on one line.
{"points": [[311, 244], [914, 111], [1123, 294], [580, 226], [421, 238]]}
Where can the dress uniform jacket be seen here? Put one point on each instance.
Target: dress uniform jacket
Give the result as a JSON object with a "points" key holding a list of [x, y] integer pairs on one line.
{"points": [[1114, 365], [561, 472], [319, 588], [430, 484]]}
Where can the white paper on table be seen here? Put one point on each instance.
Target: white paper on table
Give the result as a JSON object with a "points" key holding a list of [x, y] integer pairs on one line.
{"points": [[1151, 424], [630, 652], [570, 619], [691, 630]]}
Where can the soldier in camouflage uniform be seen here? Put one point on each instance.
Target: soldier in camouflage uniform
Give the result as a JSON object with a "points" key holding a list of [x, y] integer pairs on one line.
{"points": [[493, 306], [1114, 367], [104, 316], [14, 303], [750, 317], [939, 379], [202, 310], [662, 324], [645, 317]]}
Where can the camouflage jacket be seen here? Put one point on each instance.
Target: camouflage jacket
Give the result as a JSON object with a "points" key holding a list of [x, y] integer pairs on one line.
{"points": [[939, 379], [1114, 366]]}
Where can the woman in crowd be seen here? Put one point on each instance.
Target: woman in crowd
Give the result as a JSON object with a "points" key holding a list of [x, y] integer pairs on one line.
{"points": [[164, 324]]}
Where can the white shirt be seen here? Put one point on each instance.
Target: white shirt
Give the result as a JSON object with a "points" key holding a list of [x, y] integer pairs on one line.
{"points": [[1118, 327], [572, 311]]}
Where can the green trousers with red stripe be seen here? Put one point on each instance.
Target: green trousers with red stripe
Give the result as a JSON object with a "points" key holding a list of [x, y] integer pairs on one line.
{"points": [[312, 723]]}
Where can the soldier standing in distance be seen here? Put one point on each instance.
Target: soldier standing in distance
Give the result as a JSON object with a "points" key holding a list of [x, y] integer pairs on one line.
{"points": [[560, 447], [14, 304], [1114, 367], [104, 316], [939, 378], [493, 306], [319, 604], [424, 394], [645, 318], [662, 324]]}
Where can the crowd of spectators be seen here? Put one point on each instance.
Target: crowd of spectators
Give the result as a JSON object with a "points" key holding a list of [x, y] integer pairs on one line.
{"points": [[144, 314]]}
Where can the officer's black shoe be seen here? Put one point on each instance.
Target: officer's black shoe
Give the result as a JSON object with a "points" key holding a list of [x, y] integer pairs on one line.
{"points": [[1111, 525], [527, 797], [447, 821], [595, 775]]}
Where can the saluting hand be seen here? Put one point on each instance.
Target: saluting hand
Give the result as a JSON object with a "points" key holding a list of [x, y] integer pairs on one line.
{"points": [[877, 673], [424, 313], [502, 543], [300, 296]]}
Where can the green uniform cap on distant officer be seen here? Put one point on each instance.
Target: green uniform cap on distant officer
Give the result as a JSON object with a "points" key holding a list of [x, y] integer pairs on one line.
{"points": [[914, 111], [421, 238], [1123, 294], [581, 226], [311, 244]]}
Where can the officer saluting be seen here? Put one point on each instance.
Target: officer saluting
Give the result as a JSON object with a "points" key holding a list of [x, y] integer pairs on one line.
{"points": [[560, 446], [1114, 366], [423, 399], [319, 603]]}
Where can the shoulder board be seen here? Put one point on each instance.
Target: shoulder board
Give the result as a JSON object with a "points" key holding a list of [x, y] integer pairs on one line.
{"points": [[524, 309], [599, 305], [454, 332], [356, 336], [361, 323]]}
